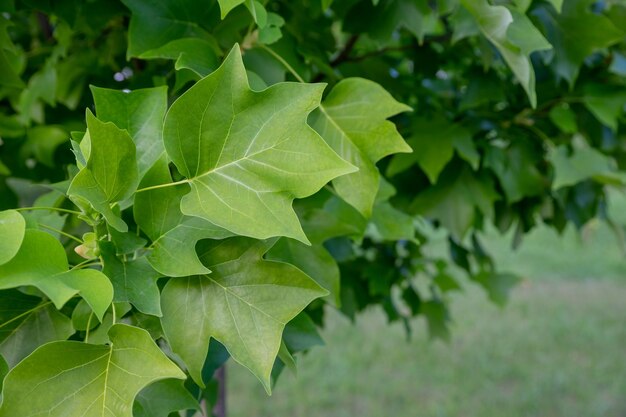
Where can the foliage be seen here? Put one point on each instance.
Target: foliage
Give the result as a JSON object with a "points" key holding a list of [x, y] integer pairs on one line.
{"points": [[241, 164]]}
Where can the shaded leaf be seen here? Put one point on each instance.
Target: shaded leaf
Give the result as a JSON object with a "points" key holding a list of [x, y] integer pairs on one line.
{"points": [[27, 322], [581, 164], [162, 398], [134, 281]]}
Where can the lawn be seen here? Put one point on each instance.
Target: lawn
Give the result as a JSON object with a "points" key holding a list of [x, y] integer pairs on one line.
{"points": [[557, 349]]}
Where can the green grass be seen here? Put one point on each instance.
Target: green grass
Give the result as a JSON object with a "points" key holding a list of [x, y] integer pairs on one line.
{"points": [[557, 349]]}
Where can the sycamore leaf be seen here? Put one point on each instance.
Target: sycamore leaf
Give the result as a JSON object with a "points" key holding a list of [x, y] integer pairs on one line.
{"points": [[244, 304], [246, 154], [606, 103], [352, 119], [515, 38], [42, 263], [27, 322], [111, 174], [162, 398], [134, 280], [154, 23], [71, 378], [141, 113], [12, 229]]}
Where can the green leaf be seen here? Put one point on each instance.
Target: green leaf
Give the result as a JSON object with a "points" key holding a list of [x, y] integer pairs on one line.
{"points": [[514, 36], [4, 369], [12, 229], [590, 31], [581, 164], [301, 334], [564, 118], [26, 322], [198, 55], [162, 398], [111, 174], [244, 304], [227, 5], [248, 154], [606, 103], [516, 169], [63, 379], [141, 113], [352, 119], [42, 142], [313, 260], [154, 23], [134, 281], [453, 201], [434, 142], [174, 253], [497, 285], [42, 263], [174, 235], [558, 4], [437, 319]]}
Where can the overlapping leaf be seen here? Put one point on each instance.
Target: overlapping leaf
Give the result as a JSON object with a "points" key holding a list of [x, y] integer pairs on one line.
{"points": [[42, 263], [244, 303], [352, 119], [247, 155], [63, 379], [12, 229], [111, 173], [141, 113], [27, 322], [514, 36]]}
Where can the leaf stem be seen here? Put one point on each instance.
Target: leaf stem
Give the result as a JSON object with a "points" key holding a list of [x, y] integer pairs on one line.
{"points": [[62, 210], [88, 327], [61, 232], [169, 184], [283, 62], [86, 263]]}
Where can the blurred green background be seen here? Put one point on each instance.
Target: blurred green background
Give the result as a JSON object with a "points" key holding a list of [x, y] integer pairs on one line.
{"points": [[557, 349]]}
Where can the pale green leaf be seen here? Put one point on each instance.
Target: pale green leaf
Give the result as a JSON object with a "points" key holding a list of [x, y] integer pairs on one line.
{"points": [[134, 280], [12, 229], [42, 263], [227, 5], [248, 154], [141, 113], [4, 369], [352, 119], [111, 174], [42, 142], [582, 164], [26, 322], [62, 379], [244, 304], [162, 398]]}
